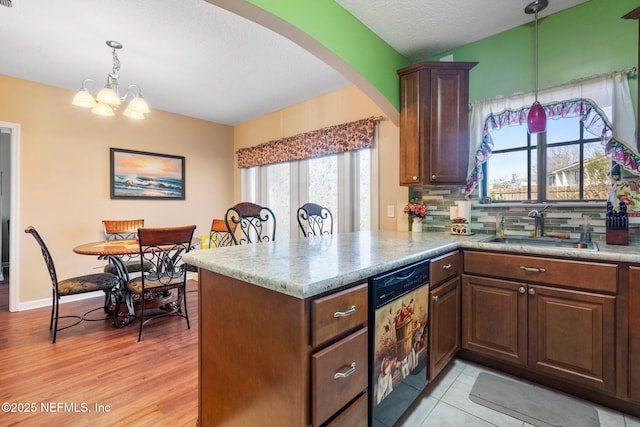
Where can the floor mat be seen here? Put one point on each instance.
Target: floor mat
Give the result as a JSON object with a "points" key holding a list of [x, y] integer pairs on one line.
{"points": [[534, 405]]}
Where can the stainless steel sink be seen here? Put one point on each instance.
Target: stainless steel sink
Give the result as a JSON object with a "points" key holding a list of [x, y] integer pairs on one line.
{"points": [[549, 242]]}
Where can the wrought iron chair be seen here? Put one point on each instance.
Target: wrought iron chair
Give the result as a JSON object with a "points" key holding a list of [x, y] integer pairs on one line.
{"points": [[219, 235], [109, 283], [163, 247], [256, 223], [124, 229], [315, 220]]}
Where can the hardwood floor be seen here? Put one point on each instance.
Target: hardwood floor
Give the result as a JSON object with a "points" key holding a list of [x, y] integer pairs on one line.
{"points": [[95, 374]]}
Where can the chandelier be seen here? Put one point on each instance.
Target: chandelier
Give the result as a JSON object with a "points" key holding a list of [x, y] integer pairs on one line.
{"points": [[109, 98], [537, 118]]}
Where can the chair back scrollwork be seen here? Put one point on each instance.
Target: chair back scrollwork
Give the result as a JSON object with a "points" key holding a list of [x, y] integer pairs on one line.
{"points": [[220, 235], [315, 220], [250, 223]]}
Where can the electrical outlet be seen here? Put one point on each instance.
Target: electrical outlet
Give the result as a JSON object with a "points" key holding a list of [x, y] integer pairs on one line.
{"points": [[391, 211]]}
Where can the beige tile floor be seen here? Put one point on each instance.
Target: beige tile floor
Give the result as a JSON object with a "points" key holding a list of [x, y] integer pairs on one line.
{"points": [[446, 403]]}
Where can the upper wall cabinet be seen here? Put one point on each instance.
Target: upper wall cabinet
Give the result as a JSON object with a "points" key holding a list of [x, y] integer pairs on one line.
{"points": [[434, 123]]}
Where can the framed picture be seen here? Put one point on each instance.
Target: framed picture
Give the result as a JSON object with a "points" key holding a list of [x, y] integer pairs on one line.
{"points": [[141, 175]]}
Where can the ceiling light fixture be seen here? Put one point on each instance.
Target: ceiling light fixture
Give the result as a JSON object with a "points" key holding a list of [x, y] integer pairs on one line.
{"points": [[537, 118], [109, 98]]}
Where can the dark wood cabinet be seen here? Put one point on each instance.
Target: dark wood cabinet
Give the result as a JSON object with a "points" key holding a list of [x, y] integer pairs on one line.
{"points": [[444, 311], [562, 332], [266, 358], [444, 340], [494, 318], [572, 335], [634, 334], [434, 123]]}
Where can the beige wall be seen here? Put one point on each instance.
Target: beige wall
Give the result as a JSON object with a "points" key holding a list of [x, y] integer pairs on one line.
{"points": [[342, 106], [64, 176]]}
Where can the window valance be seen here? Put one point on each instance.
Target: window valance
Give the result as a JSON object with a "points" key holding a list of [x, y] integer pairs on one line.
{"points": [[330, 140], [587, 98]]}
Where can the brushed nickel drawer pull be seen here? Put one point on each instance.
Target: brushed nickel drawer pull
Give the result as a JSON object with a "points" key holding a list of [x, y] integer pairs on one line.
{"points": [[345, 313], [346, 373], [435, 298], [532, 269], [447, 266]]}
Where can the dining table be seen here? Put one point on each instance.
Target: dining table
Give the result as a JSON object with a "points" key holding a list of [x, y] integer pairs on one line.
{"points": [[114, 251]]}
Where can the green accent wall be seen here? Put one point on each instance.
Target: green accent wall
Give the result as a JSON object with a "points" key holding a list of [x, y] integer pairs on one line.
{"points": [[582, 41], [339, 31], [587, 39]]}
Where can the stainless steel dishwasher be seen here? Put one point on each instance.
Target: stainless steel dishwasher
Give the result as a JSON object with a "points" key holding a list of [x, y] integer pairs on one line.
{"points": [[399, 312]]}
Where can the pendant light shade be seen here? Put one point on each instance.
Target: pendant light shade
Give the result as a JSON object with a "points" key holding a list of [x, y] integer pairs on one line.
{"points": [[537, 118]]}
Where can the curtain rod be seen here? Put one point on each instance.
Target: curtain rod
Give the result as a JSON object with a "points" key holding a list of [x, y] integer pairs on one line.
{"points": [[627, 71]]}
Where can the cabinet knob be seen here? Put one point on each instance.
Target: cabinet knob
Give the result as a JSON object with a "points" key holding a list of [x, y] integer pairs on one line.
{"points": [[532, 291], [415, 178], [433, 177], [435, 298], [521, 289]]}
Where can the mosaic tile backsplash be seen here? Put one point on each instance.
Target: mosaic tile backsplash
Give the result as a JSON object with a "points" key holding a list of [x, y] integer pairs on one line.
{"points": [[565, 217]]}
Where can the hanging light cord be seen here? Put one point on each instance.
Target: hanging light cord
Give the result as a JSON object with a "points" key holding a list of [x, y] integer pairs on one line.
{"points": [[536, 55]]}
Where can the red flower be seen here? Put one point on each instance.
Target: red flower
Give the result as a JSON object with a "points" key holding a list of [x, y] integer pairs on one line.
{"points": [[416, 209]]}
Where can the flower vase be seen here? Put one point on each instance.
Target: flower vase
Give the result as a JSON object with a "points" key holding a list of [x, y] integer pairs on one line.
{"points": [[416, 227]]}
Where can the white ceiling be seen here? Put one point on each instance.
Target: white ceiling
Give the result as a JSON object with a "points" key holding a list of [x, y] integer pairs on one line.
{"points": [[194, 58]]}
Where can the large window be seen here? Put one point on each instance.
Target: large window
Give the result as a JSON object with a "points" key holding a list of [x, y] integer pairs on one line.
{"points": [[565, 163], [340, 182], [568, 161]]}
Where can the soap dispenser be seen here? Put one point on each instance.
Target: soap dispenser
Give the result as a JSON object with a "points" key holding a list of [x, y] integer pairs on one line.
{"points": [[585, 234]]}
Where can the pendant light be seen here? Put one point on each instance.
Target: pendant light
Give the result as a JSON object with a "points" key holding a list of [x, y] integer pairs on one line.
{"points": [[537, 118]]}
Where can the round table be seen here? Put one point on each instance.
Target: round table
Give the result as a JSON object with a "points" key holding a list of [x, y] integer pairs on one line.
{"points": [[113, 250]]}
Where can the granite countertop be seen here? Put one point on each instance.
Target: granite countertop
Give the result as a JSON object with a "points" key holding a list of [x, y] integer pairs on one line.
{"points": [[307, 267]]}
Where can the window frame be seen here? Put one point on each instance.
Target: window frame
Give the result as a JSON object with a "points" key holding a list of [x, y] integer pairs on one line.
{"points": [[542, 146]]}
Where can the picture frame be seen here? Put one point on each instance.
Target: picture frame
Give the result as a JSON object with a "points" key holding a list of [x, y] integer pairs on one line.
{"points": [[144, 175]]}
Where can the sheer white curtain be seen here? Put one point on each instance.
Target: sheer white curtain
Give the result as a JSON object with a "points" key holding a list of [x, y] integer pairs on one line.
{"points": [[346, 183]]}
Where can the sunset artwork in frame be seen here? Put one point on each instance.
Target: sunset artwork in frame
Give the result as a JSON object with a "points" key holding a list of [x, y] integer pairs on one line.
{"points": [[142, 175]]}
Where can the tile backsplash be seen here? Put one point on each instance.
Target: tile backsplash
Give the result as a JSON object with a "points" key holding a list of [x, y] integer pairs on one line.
{"points": [[565, 217]]}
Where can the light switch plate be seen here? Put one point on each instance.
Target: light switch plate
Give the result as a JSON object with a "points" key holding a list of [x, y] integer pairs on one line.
{"points": [[391, 211]]}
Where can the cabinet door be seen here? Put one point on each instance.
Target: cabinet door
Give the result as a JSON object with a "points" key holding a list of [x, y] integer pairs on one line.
{"points": [[444, 326], [634, 333], [412, 125], [494, 314], [448, 142], [572, 335]]}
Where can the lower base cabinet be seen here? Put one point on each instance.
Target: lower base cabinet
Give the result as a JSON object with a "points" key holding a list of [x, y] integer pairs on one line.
{"points": [[444, 337], [270, 359], [634, 334], [563, 333]]}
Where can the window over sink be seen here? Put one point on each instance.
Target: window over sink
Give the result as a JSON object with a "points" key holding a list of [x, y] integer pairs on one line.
{"points": [[576, 166]]}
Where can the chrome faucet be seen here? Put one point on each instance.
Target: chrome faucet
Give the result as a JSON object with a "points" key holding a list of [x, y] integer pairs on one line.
{"points": [[538, 216]]}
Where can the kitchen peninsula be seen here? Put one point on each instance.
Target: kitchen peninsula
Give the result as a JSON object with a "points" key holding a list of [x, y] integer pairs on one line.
{"points": [[260, 351]]}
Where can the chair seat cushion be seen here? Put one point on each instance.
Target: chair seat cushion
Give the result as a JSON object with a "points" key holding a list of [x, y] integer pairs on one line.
{"points": [[154, 285], [131, 266], [88, 283]]}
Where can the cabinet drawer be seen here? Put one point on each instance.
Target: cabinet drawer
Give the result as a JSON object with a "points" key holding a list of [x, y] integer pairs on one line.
{"points": [[338, 374], [337, 313], [444, 268], [580, 274], [354, 416]]}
